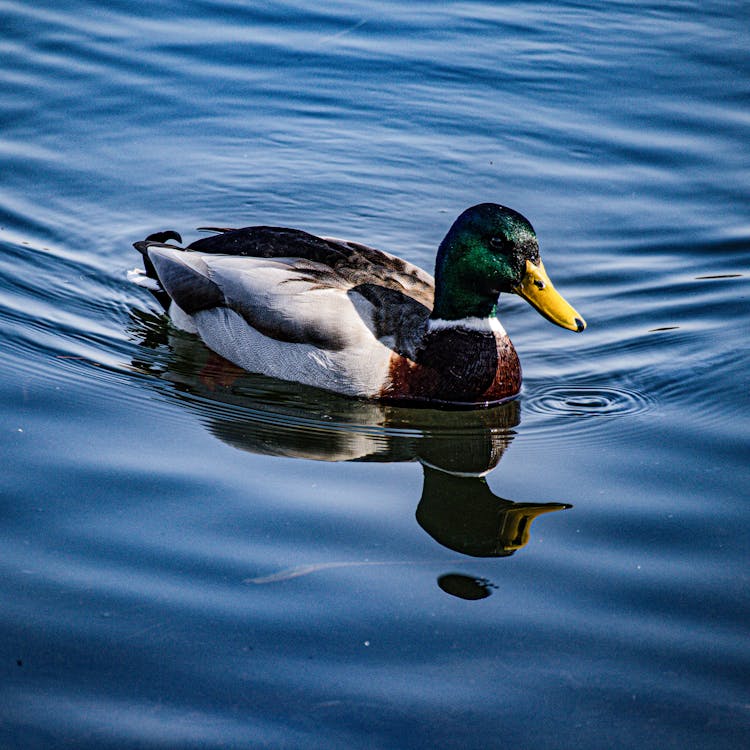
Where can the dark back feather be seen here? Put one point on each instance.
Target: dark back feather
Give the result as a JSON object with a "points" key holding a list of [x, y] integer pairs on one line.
{"points": [[355, 263]]}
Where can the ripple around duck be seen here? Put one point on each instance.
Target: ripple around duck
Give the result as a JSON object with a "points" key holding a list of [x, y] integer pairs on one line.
{"points": [[581, 413], [65, 322], [589, 401], [263, 415]]}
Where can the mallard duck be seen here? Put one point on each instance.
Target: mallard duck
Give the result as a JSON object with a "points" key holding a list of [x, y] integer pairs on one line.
{"points": [[358, 321]]}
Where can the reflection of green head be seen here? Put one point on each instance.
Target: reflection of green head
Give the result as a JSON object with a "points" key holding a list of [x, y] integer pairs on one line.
{"points": [[463, 514], [483, 254]]}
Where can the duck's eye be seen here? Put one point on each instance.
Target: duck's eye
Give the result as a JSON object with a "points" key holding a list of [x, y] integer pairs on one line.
{"points": [[498, 243]]}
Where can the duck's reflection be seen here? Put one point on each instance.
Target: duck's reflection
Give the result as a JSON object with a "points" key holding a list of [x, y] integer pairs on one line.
{"points": [[456, 449], [463, 514]]}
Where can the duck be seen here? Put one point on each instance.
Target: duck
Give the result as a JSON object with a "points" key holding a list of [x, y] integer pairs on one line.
{"points": [[361, 322]]}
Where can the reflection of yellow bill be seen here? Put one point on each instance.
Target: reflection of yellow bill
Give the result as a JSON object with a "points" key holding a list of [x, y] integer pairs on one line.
{"points": [[538, 291], [514, 533]]}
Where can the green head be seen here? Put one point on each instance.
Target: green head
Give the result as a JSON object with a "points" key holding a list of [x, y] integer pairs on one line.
{"points": [[492, 249]]}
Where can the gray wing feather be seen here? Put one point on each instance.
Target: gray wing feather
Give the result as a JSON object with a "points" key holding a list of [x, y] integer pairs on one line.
{"points": [[187, 283], [284, 298], [350, 261], [354, 292]]}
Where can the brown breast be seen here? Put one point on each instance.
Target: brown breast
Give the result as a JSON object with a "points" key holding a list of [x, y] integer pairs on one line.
{"points": [[456, 366]]}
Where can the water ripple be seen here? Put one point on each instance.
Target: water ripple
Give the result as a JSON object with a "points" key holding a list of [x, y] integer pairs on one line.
{"points": [[589, 401], [582, 413]]}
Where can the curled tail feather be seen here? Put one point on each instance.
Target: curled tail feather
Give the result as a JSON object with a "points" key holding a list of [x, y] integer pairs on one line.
{"points": [[142, 247]]}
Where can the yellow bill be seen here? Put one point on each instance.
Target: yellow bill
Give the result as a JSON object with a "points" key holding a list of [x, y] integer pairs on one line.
{"points": [[538, 291]]}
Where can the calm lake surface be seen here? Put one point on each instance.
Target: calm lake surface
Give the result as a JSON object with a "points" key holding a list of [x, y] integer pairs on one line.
{"points": [[190, 561]]}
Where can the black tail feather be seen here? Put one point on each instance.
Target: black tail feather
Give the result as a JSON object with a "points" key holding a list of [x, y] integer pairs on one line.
{"points": [[142, 247], [164, 236]]}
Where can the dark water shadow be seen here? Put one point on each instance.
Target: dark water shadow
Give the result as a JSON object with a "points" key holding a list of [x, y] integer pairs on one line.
{"points": [[456, 449]]}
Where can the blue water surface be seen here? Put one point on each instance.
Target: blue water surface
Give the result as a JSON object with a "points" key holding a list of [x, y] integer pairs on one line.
{"points": [[194, 559]]}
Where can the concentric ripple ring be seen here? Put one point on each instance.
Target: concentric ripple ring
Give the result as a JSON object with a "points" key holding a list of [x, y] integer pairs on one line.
{"points": [[588, 401]]}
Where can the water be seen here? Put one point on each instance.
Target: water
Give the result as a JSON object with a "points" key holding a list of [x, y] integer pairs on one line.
{"points": [[193, 560]]}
